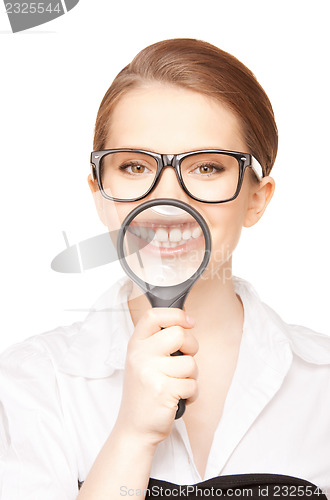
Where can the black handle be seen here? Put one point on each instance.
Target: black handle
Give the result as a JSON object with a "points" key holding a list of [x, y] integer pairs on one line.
{"points": [[177, 302], [182, 403]]}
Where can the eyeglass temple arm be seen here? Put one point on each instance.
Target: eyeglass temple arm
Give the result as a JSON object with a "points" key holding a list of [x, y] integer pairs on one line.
{"points": [[93, 168], [93, 172], [256, 167]]}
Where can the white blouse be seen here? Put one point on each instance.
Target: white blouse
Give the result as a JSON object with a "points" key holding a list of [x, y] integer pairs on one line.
{"points": [[60, 394]]}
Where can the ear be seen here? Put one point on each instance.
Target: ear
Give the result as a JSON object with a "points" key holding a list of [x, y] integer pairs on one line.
{"points": [[260, 196], [98, 199]]}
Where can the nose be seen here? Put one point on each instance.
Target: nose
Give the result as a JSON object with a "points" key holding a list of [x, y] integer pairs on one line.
{"points": [[168, 186]]}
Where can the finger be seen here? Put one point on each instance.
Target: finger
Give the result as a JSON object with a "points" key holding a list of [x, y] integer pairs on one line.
{"points": [[184, 388], [179, 367], [189, 345], [161, 317], [172, 339]]}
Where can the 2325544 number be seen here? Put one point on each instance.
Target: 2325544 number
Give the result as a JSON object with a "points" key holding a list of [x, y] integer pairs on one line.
{"points": [[297, 491], [32, 8]]}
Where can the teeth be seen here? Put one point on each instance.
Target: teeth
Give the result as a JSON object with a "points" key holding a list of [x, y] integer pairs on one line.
{"points": [[164, 237], [144, 232], [175, 235], [186, 235], [162, 234], [196, 232]]}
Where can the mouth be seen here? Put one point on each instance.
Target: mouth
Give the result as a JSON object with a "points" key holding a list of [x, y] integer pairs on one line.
{"points": [[167, 239]]}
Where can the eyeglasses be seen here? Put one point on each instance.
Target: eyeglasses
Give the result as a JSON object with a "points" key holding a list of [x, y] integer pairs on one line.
{"points": [[209, 176]]}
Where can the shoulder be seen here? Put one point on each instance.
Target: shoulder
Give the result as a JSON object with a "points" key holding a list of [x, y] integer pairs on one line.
{"points": [[37, 355], [92, 348], [29, 387], [31, 395], [309, 345]]}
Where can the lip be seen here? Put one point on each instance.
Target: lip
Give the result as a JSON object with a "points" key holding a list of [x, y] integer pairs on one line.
{"points": [[193, 244], [159, 222]]}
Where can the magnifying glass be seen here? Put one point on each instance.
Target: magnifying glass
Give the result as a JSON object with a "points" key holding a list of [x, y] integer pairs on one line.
{"points": [[164, 246]]}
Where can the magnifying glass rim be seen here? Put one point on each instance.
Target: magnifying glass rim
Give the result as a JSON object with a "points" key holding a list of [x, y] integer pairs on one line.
{"points": [[163, 201]]}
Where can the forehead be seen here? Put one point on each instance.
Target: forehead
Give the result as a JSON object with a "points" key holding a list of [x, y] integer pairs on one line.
{"points": [[170, 119]]}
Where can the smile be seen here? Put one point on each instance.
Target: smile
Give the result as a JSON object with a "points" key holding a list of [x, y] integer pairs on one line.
{"points": [[167, 236]]}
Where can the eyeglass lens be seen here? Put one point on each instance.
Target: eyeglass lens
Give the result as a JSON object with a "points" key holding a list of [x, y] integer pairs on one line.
{"points": [[206, 176]]}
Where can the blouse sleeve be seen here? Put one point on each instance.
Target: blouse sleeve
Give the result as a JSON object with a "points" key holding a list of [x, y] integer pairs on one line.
{"points": [[36, 459]]}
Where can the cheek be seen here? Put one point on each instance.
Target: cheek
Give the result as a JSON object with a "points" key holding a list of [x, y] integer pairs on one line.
{"points": [[225, 223], [114, 214]]}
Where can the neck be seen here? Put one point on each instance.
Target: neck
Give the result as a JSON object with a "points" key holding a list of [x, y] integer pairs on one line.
{"points": [[217, 310], [212, 302]]}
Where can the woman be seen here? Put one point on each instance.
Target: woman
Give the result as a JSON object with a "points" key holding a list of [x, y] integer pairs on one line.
{"points": [[96, 401]]}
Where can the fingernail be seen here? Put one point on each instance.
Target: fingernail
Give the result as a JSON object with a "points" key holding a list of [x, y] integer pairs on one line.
{"points": [[190, 320]]}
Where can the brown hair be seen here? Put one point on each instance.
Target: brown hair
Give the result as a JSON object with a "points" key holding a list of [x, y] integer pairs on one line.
{"points": [[202, 67]]}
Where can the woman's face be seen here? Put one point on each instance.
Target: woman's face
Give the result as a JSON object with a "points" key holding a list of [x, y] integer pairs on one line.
{"points": [[169, 119]]}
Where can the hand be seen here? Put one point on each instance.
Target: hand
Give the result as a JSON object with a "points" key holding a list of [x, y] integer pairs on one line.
{"points": [[154, 380]]}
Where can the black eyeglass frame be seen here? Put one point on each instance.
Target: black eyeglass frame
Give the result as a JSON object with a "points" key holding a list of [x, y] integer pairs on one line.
{"points": [[174, 160]]}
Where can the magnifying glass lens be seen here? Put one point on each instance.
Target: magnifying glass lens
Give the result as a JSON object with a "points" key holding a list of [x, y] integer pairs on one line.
{"points": [[164, 245]]}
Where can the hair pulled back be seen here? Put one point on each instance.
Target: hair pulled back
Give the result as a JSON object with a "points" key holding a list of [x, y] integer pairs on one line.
{"points": [[199, 66]]}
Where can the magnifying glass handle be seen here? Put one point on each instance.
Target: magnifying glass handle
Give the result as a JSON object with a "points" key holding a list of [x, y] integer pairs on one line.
{"points": [[182, 402], [179, 301]]}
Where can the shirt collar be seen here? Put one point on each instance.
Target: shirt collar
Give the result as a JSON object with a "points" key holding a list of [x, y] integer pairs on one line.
{"points": [[98, 347], [271, 332]]}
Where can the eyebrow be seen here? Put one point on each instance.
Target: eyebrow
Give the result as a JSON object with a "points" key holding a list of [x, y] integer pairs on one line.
{"points": [[151, 150]]}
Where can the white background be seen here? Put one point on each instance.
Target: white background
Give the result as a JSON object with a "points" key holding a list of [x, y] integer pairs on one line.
{"points": [[52, 80]]}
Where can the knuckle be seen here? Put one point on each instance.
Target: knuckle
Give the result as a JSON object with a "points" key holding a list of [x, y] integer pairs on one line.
{"points": [[181, 316], [193, 395], [193, 386], [179, 335], [152, 315], [191, 364], [195, 344]]}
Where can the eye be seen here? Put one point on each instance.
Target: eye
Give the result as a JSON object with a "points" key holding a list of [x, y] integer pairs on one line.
{"points": [[208, 169], [135, 168]]}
